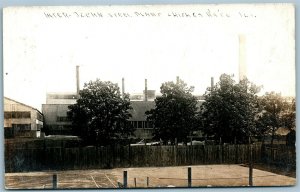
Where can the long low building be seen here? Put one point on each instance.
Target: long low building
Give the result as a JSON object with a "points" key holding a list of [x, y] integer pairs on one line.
{"points": [[21, 120], [56, 121], [56, 108]]}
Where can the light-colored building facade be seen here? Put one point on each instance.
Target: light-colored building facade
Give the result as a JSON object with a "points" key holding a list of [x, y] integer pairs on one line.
{"points": [[56, 121], [55, 113], [21, 120], [56, 108]]}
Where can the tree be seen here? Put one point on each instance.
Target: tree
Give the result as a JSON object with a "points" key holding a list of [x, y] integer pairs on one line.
{"points": [[100, 114], [276, 112], [288, 118], [175, 112], [228, 113]]}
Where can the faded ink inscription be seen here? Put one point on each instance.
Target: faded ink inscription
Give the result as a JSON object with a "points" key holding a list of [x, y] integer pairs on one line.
{"points": [[208, 13]]}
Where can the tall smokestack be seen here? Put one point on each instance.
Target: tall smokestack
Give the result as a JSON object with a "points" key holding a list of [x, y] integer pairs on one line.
{"points": [[177, 80], [123, 87], [211, 83], [77, 80], [146, 91], [242, 57]]}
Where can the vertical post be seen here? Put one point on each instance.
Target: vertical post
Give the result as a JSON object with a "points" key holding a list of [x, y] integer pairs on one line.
{"points": [[123, 87], [189, 177], [147, 181], [125, 179], [221, 153], [77, 80], [175, 151], [236, 148], [177, 80], [146, 90], [211, 83], [134, 182], [54, 181], [250, 164], [242, 57]]}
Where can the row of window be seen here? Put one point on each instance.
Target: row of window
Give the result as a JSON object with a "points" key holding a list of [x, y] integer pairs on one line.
{"points": [[21, 127], [62, 119], [135, 124], [17, 115], [142, 124], [67, 96]]}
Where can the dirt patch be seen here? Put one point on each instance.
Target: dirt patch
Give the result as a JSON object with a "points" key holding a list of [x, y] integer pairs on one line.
{"points": [[287, 171], [150, 177]]}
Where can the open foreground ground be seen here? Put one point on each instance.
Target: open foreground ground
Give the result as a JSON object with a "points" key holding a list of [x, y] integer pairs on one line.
{"points": [[202, 176]]}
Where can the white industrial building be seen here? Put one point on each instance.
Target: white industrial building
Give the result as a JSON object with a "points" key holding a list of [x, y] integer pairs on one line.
{"points": [[21, 120]]}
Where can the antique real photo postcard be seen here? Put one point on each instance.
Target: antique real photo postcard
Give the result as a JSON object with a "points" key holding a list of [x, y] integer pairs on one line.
{"points": [[149, 96]]}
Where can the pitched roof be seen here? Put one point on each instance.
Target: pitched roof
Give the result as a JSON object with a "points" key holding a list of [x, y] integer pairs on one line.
{"points": [[22, 104]]}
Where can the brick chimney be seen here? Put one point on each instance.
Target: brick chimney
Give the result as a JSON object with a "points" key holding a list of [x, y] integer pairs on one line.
{"points": [[77, 80]]}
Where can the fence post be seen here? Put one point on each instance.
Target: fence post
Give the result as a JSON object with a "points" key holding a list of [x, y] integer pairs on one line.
{"points": [[189, 177], [54, 181], [134, 182], [125, 179], [147, 181], [236, 148], [250, 165], [129, 155], [221, 153], [175, 154]]}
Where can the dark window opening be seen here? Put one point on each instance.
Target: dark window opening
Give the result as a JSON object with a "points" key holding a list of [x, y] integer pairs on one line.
{"points": [[17, 115], [62, 119]]}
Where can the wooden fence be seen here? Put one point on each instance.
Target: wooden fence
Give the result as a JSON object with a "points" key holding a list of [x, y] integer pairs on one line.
{"points": [[279, 155], [32, 159]]}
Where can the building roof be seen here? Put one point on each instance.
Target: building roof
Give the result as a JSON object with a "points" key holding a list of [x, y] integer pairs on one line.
{"points": [[282, 131], [139, 108], [61, 96], [23, 104]]}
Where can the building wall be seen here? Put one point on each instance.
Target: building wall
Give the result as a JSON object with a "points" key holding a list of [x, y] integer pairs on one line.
{"points": [[21, 119], [55, 115], [56, 119], [55, 112], [61, 98], [144, 128]]}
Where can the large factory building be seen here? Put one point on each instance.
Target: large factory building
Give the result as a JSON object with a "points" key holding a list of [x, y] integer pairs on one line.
{"points": [[21, 120], [56, 108]]}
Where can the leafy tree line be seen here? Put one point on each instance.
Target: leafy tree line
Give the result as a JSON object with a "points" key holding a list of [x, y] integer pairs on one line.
{"points": [[175, 113], [101, 113], [231, 112]]}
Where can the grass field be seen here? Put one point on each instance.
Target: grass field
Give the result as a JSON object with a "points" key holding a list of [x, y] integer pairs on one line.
{"points": [[202, 176]]}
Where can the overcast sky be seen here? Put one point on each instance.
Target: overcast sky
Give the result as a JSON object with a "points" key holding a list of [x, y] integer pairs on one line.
{"points": [[41, 52]]}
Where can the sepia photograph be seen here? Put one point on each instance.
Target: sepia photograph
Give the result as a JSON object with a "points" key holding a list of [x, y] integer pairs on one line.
{"points": [[149, 96]]}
